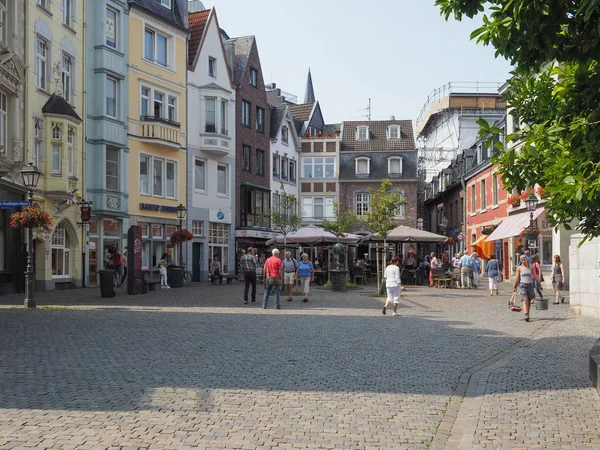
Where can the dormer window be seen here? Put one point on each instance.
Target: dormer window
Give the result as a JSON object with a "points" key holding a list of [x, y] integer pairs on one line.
{"points": [[166, 3], [284, 135], [393, 132], [362, 133], [395, 165], [362, 166]]}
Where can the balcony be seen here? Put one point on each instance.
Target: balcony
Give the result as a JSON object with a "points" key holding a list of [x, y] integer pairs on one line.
{"points": [[216, 140], [160, 129], [161, 120]]}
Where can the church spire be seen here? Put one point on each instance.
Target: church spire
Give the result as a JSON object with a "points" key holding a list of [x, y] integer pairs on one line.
{"points": [[309, 95]]}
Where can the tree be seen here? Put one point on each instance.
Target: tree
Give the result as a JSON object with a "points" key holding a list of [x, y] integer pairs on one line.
{"points": [[344, 219], [384, 205], [554, 94], [284, 219]]}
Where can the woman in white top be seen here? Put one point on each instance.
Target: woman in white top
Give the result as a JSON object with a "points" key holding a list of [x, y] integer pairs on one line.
{"points": [[392, 284], [434, 265]]}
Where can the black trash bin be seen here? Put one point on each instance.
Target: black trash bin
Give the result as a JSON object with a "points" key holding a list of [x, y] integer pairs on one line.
{"points": [[107, 289], [175, 277]]}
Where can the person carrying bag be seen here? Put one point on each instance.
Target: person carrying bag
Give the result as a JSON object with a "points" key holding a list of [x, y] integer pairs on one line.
{"points": [[273, 275]]}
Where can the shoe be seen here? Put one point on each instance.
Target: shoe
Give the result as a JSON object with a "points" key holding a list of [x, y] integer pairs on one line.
{"points": [[556, 303], [383, 310], [562, 299], [162, 287], [278, 307], [305, 300], [526, 317], [290, 299], [395, 314], [167, 287], [245, 302], [253, 301], [264, 307]]}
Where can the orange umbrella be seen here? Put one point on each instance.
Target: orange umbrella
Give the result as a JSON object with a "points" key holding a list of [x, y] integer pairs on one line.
{"points": [[484, 249]]}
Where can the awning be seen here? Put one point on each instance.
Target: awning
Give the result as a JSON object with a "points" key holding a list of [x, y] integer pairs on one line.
{"points": [[255, 185], [484, 249], [513, 225]]}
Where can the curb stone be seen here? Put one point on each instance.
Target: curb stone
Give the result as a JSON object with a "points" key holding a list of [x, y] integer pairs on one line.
{"points": [[595, 365]]}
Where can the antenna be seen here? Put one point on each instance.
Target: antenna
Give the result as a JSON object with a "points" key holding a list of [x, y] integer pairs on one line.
{"points": [[368, 109]]}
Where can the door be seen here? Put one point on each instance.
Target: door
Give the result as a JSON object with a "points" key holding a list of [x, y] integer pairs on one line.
{"points": [[196, 261]]}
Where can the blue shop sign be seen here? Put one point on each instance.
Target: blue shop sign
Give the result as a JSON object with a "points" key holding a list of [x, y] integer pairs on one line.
{"points": [[13, 204], [161, 208]]}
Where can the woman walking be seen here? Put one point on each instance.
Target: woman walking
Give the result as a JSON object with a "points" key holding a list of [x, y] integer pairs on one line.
{"points": [[558, 279], [305, 273], [492, 271], [393, 285], [537, 270], [524, 279], [435, 264], [476, 269]]}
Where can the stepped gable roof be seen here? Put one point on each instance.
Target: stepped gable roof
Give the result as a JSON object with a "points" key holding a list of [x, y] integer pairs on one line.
{"points": [[197, 22], [378, 140], [242, 46], [302, 111], [153, 7], [277, 117], [57, 105]]}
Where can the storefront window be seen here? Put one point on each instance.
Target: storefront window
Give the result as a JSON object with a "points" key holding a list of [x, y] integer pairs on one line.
{"points": [[146, 255], [218, 243], [145, 229], [157, 231], [110, 227], [94, 225], [170, 230]]}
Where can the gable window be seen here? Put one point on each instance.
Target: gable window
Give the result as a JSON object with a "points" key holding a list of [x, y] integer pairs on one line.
{"points": [[292, 171], [212, 67], [260, 162], [166, 3], [3, 22], [172, 109], [494, 189], [70, 150], [3, 123], [112, 168], [393, 132], [66, 66], [483, 195], [144, 174], [67, 6], [362, 202], [253, 77], [224, 130], [394, 165], [260, 120], [41, 50], [111, 97], [362, 166], [245, 113], [284, 168], [155, 47], [473, 199], [222, 178], [110, 29], [200, 175], [276, 160], [285, 135], [38, 136], [362, 133], [211, 115], [246, 151]]}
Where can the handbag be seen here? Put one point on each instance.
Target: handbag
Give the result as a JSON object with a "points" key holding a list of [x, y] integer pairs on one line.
{"points": [[275, 281], [511, 303]]}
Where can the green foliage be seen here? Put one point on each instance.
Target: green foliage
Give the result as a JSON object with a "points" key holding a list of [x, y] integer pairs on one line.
{"points": [[554, 95], [385, 202], [284, 219], [344, 219]]}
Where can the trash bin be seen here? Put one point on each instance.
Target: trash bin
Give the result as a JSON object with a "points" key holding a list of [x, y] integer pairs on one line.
{"points": [[541, 304], [107, 278], [175, 277], [338, 280]]}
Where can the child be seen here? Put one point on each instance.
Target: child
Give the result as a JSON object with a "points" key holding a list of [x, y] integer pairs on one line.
{"points": [[162, 268]]}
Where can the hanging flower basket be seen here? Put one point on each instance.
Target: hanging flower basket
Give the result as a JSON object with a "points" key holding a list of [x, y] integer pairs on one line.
{"points": [[31, 217], [450, 241], [529, 233], [181, 236]]}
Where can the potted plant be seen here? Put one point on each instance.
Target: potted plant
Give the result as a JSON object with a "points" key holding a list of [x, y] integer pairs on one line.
{"points": [[529, 233], [514, 200], [32, 217], [181, 236]]}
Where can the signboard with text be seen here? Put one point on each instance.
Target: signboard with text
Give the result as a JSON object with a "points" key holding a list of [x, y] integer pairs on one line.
{"points": [[13, 204], [134, 260]]}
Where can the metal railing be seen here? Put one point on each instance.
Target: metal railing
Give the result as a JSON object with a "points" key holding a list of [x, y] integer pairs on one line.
{"points": [[160, 119]]}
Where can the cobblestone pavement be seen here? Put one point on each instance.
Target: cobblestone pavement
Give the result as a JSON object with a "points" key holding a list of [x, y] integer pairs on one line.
{"points": [[195, 367]]}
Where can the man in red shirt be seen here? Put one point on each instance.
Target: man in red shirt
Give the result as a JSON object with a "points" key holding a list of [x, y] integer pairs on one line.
{"points": [[273, 275]]}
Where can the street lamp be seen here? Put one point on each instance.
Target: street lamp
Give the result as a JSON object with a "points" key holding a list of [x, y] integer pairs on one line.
{"points": [[180, 211], [31, 177], [531, 205]]}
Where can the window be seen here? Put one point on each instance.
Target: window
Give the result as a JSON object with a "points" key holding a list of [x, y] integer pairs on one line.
{"points": [[363, 201], [400, 212], [284, 168], [155, 47], [111, 28], [316, 208], [362, 166], [200, 175], [285, 135], [362, 133], [212, 67], [393, 132], [61, 253], [222, 176], [3, 22], [43, 3], [38, 136], [56, 159], [246, 151], [111, 97], [394, 165], [66, 66], [56, 133], [260, 162], [479, 153], [70, 150], [144, 175], [260, 120], [276, 160], [67, 12], [211, 115], [224, 130], [3, 123], [494, 189], [318, 167], [171, 179], [253, 77], [483, 195], [245, 113], [112, 168], [276, 205], [197, 226], [145, 107], [159, 100], [41, 55], [473, 199], [292, 171], [157, 177], [166, 3], [172, 109], [254, 206], [218, 244]]}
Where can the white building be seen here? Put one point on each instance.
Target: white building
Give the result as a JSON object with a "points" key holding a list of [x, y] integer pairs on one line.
{"points": [[211, 146]]}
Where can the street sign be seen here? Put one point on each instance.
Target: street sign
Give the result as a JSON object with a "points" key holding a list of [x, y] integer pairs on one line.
{"points": [[531, 244], [459, 237], [13, 204]]}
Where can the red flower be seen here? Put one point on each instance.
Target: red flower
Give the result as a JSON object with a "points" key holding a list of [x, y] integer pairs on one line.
{"points": [[31, 216], [181, 236]]}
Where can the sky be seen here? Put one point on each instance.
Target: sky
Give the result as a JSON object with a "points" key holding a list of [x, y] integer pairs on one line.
{"points": [[395, 52]]}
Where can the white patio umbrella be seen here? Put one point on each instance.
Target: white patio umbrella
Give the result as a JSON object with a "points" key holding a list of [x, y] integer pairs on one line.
{"points": [[313, 234], [403, 233]]}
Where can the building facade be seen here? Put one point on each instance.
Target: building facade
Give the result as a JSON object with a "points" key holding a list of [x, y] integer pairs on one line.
{"points": [[211, 146], [157, 138], [55, 131], [107, 149], [13, 134]]}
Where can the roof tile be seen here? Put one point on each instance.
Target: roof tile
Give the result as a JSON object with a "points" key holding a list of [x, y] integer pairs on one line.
{"points": [[196, 23], [378, 140], [302, 111]]}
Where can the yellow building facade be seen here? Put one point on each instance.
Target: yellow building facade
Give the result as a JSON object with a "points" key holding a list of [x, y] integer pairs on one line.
{"points": [[157, 124], [55, 134]]}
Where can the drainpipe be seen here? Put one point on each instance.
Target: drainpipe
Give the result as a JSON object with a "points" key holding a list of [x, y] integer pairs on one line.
{"points": [[25, 44], [464, 229], [84, 244]]}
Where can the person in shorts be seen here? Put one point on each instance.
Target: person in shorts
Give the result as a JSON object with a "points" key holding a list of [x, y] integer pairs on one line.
{"points": [[289, 274], [524, 281], [393, 285]]}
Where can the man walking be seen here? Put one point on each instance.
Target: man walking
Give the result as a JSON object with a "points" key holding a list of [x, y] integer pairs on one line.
{"points": [[289, 274], [273, 275], [466, 269], [248, 264]]}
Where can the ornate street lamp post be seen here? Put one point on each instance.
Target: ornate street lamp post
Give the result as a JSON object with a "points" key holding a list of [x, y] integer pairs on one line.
{"points": [[31, 177], [181, 212], [531, 204]]}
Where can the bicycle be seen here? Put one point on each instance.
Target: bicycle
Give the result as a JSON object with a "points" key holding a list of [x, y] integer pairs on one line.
{"points": [[187, 276]]}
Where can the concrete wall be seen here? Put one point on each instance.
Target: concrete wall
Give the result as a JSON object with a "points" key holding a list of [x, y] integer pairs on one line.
{"points": [[584, 275]]}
